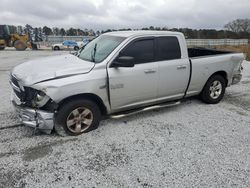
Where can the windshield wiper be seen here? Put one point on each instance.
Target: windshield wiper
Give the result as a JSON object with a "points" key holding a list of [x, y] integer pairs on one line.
{"points": [[93, 54]]}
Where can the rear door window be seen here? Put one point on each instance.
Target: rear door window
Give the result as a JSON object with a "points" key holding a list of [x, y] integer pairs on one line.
{"points": [[168, 48]]}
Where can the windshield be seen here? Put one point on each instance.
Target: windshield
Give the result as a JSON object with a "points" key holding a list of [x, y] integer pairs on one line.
{"points": [[98, 49]]}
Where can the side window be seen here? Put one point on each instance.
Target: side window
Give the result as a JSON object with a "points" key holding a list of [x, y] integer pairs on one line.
{"points": [[142, 51], [168, 48]]}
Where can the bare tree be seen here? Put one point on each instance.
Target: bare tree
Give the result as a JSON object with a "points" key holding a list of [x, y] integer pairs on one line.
{"points": [[245, 25], [239, 25]]}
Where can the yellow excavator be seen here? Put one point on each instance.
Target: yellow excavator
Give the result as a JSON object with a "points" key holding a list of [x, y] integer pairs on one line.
{"points": [[10, 38]]}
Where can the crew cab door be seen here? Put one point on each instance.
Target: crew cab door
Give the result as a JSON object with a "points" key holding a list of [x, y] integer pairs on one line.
{"points": [[174, 70], [134, 86]]}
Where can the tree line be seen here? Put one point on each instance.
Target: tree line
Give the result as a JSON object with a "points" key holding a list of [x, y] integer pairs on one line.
{"points": [[239, 28], [68, 32]]}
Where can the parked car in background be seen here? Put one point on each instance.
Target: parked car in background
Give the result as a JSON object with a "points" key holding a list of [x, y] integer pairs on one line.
{"points": [[119, 74], [68, 45], [86, 41]]}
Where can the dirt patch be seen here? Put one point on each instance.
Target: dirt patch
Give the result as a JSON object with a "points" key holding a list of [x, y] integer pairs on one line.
{"points": [[115, 157], [241, 48], [42, 151], [241, 101], [37, 152]]}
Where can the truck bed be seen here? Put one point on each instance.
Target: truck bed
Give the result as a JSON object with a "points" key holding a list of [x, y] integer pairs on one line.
{"points": [[199, 52]]}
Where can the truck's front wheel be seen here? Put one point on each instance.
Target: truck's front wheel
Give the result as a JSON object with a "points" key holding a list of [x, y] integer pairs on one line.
{"points": [[77, 117], [214, 90]]}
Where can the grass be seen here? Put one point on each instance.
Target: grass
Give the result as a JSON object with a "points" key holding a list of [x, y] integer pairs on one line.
{"points": [[242, 48]]}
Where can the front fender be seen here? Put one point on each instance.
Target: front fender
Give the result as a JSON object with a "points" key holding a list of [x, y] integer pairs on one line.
{"points": [[92, 83]]}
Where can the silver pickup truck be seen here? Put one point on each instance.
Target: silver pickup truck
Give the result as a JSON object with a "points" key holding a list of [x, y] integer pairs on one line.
{"points": [[119, 74]]}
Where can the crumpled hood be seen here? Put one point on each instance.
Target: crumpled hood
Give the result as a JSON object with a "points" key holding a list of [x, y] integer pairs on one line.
{"points": [[38, 70]]}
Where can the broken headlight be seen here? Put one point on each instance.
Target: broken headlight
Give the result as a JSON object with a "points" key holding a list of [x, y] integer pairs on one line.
{"points": [[40, 99], [39, 96], [35, 98]]}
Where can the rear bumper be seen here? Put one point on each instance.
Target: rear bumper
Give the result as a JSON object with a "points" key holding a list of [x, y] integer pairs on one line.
{"points": [[236, 78], [39, 119]]}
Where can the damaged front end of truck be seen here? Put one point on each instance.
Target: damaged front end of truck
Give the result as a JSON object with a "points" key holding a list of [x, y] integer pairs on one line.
{"points": [[33, 107], [31, 90]]}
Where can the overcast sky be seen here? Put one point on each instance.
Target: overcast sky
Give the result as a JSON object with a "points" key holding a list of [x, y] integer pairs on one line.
{"points": [[104, 14]]}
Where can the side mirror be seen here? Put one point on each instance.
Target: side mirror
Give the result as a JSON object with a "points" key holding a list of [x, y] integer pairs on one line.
{"points": [[124, 61]]}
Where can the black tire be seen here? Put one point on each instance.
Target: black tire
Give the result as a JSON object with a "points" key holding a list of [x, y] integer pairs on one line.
{"points": [[56, 48], [67, 108], [206, 92], [2, 48], [20, 45], [76, 48]]}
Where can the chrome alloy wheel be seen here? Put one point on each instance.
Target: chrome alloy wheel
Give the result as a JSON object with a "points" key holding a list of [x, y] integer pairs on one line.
{"points": [[79, 120], [215, 89]]}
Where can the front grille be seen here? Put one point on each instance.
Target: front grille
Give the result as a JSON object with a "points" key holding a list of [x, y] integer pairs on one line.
{"points": [[16, 88], [18, 94], [14, 80]]}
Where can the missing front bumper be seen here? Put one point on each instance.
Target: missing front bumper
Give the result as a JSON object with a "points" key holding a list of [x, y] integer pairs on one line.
{"points": [[38, 119]]}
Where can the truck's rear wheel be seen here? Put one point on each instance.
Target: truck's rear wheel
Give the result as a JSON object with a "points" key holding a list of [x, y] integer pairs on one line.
{"points": [[77, 117], [2, 48], [20, 45], [214, 90]]}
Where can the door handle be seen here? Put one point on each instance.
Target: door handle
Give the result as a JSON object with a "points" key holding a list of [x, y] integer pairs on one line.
{"points": [[149, 71], [182, 67]]}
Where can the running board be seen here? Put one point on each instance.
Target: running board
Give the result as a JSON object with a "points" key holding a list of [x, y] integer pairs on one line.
{"points": [[132, 112]]}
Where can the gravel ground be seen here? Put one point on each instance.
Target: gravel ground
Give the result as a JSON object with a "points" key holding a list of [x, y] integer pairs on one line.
{"points": [[190, 145]]}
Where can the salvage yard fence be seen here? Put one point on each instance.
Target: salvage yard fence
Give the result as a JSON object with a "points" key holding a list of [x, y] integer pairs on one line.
{"points": [[217, 42], [50, 40]]}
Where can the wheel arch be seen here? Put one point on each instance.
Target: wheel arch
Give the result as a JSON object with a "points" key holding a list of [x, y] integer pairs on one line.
{"points": [[221, 73], [89, 96]]}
